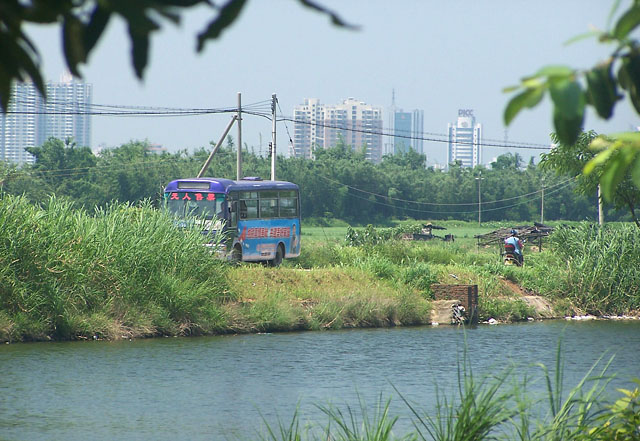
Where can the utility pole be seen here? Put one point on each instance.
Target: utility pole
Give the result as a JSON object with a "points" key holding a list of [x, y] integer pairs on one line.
{"points": [[600, 208], [274, 100], [542, 204], [479, 179], [215, 149], [239, 157]]}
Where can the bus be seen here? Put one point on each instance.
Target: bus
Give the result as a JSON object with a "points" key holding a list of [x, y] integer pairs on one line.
{"points": [[260, 219]]}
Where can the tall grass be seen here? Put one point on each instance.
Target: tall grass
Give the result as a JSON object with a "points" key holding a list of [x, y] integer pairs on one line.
{"points": [[122, 271], [487, 407], [602, 270]]}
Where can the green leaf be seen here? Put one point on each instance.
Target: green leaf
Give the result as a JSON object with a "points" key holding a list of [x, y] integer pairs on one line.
{"points": [[602, 90], [529, 98], [73, 43], [568, 113], [629, 77], [617, 167], [567, 128], [139, 50], [599, 159], [335, 19], [627, 23], [555, 71], [96, 26], [611, 177], [635, 171], [23, 60], [228, 14], [584, 36], [510, 89]]}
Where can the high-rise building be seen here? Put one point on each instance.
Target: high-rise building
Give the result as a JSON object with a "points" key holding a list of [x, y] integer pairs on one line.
{"points": [[353, 122], [21, 124], [465, 140], [30, 121], [407, 131], [401, 132], [308, 132], [67, 106]]}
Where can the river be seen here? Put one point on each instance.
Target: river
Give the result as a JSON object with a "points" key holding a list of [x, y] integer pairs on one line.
{"points": [[219, 388]]}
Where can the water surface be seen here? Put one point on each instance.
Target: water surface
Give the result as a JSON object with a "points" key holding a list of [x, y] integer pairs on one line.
{"points": [[216, 388]]}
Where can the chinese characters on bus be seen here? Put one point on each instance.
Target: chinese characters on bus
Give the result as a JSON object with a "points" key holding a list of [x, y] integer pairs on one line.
{"points": [[192, 196]]}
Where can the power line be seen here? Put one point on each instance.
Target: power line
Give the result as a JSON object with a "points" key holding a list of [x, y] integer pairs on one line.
{"points": [[512, 145], [260, 108], [444, 204], [567, 183]]}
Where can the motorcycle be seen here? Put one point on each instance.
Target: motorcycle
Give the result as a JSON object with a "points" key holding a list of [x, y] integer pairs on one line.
{"points": [[509, 255]]}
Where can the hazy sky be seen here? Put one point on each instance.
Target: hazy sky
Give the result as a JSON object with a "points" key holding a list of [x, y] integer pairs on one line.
{"points": [[439, 56]]}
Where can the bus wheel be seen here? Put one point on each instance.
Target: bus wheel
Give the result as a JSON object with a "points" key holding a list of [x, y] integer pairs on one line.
{"points": [[236, 254], [277, 260]]}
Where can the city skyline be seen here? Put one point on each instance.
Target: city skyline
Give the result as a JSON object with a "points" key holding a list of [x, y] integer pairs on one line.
{"points": [[459, 55], [352, 121]]}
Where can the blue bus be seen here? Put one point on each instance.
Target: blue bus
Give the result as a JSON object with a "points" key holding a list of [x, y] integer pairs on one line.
{"points": [[261, 219]]}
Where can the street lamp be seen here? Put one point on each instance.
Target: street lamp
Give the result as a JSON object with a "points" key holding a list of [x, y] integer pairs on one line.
{"points": [[479, 179]]}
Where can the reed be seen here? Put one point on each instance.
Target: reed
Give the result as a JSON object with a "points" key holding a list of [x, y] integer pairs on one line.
{"points": [[602, 269], [122, 271], [486, 407]]}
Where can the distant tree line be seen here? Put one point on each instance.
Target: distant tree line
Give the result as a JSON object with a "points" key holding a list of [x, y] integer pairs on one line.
{"points": [[338, 184]]}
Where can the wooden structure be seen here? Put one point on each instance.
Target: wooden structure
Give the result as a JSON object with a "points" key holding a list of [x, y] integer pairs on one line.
{"points": [[531, 234], [426, 233]]}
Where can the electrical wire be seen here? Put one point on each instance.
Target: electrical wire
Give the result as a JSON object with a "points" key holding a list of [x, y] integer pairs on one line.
{"points": [[259, 108], [511, 145], [444, 204], [459, 211]]}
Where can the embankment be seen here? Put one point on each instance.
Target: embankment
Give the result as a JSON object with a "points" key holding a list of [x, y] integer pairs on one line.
{"points": [[128, 272]]}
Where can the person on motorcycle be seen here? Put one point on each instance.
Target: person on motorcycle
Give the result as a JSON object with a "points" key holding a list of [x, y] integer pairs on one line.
{"points": [[517, 244]]}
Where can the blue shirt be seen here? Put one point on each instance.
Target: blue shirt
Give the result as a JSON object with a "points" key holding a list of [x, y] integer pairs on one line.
{"points": [[515, 242]]}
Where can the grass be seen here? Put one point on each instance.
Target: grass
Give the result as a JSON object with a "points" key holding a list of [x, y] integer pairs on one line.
{"points": [[329, 298], [128, 272], [123, 271], [490, 406]]}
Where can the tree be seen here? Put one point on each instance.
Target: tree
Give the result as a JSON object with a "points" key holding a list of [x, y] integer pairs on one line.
{"points": [[571, 90], [83, 22], [507, 161], [570, 159]]}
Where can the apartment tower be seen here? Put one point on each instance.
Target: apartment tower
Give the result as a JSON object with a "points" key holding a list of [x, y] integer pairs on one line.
{"points": [[465, 140]]}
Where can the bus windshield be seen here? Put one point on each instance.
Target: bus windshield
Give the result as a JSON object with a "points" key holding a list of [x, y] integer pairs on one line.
{"points": [[195, 204]]}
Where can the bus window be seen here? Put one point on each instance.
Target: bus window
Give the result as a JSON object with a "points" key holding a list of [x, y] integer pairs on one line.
{"points": [[250, 208], [195, 204], [268, 208], [288, 204]]}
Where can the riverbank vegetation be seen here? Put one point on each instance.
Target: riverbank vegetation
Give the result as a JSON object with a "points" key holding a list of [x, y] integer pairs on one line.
{"points": [[120, 272], [126, 271], [500, 405]]}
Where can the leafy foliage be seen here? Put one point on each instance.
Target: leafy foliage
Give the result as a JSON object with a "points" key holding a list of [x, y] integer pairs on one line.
{"points": [[339, 184], [571, 160], [84, 21], [600, 87], [622, 421]]}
